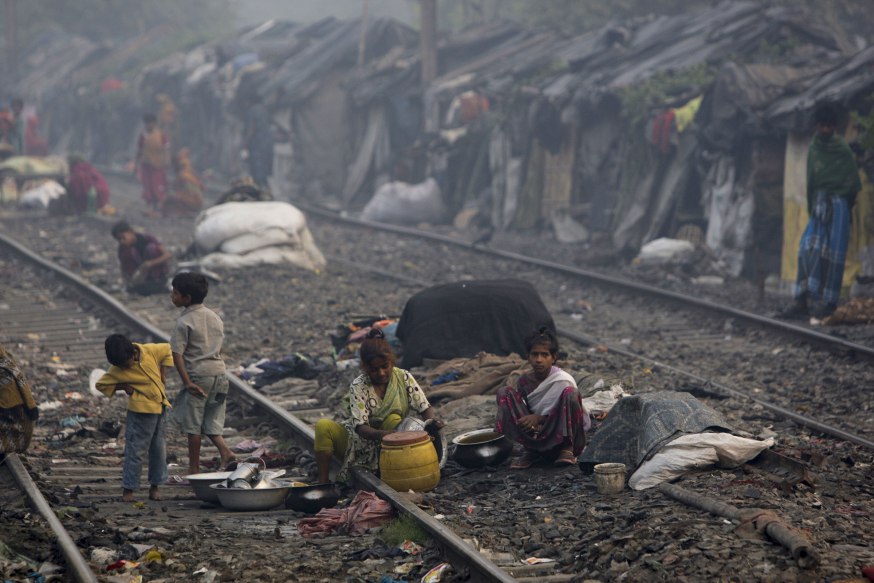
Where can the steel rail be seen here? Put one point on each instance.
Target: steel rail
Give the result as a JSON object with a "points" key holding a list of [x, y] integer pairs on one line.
{"points": [[617, 282], [585, 340], [788, 414], [461, 554], [75, 561]]}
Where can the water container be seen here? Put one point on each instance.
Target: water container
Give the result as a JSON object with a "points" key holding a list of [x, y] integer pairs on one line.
{"points": [[408, 461]]}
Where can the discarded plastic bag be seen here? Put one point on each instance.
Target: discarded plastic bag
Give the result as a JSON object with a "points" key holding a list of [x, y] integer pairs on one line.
{"points": [[696, 450], [664, 250], [401, 203]]}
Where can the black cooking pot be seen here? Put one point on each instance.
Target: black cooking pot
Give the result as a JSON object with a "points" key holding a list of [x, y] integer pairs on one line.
{"points": [[311, 498], [483, 447]]}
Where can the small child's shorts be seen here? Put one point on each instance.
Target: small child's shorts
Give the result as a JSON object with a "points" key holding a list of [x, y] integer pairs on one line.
{"points": [[203, 416]]}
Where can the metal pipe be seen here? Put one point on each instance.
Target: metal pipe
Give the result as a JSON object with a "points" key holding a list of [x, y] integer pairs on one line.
{"points": [[75, 561], [617, 282]]}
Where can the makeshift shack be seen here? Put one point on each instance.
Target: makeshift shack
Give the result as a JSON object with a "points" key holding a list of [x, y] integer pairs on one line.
{"points": [[464, 318]]}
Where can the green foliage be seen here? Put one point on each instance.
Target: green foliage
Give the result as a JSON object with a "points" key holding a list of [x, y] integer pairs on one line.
{"points": [[639, 98], [404, 528]]}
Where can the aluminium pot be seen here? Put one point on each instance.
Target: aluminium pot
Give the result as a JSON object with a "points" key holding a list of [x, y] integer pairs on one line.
{"points": [[482, 447]]}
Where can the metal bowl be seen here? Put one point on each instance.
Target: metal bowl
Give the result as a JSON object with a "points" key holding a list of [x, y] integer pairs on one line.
{"points": [[482, 447], [250, 499], [311, 498], [200, 483]]}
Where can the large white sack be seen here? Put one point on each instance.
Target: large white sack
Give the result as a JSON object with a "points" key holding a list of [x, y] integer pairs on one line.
{"points": [[697, 450], [401, 203], [274, 236], [226, 221], [664, 250], [265, 255], [42, 195]]}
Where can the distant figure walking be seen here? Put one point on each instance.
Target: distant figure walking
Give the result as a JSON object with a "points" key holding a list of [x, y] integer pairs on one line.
{"points": [[258, 140], [832, 184], [153, 157]]}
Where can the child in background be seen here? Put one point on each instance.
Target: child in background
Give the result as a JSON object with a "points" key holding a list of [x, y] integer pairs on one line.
{"points": [[196, 343], [143, 260], [152, 160], [138, 370]]}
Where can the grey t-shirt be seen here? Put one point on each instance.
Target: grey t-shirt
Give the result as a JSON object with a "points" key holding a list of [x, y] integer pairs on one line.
{"points": [[198, 336]]}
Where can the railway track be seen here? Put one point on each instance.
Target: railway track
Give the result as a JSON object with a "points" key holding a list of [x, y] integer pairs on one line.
{"points": [[62, 325], [533, 508]]}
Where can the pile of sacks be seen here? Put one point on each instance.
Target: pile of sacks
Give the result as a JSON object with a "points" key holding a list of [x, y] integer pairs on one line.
{"points": [[241, 234]]}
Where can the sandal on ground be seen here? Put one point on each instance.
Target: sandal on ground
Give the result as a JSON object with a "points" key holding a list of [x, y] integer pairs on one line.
{"points": [[565, 458], [524, 461]]}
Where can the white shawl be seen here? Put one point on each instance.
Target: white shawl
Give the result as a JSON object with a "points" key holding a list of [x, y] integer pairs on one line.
{"points": [[542, 399]]}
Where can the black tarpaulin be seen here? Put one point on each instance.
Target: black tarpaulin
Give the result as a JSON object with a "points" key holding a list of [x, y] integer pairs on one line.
{"points": [[464, 318]]}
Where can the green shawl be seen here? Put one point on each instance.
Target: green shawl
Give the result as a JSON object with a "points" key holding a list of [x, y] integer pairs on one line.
{"points": [[831, 168]]}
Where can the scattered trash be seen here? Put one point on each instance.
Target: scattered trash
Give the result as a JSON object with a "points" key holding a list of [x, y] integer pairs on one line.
{"points": [[664, 250], [404, 568], [411, 548], [103, 556], [50, 405], [92, 381], [73, 396], [436, 574], [537, 560]]}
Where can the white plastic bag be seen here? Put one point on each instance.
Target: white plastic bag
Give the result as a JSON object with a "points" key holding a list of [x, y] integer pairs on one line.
{"points": [[401, 203], [664, 250], [697, 450]]}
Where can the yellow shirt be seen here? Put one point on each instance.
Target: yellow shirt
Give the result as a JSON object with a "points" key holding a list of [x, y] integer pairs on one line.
{"points": [[145, 378]]}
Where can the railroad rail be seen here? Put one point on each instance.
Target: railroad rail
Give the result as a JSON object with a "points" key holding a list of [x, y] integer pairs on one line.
{"points": [[624, 285], [464, 557], [477, 482]]}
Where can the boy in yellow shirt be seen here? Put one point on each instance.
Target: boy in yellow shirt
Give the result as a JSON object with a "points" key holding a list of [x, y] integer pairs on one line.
{"points": [[139, 371]]}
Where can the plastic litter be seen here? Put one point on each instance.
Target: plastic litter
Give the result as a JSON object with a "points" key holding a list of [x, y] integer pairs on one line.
{"points": [[537, 560], [435, 574]]}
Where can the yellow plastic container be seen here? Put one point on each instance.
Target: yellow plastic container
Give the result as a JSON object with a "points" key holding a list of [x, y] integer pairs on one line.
{"points": [[408, 461]]}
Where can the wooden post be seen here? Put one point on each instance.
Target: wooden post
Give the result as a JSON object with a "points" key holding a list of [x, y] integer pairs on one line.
{"points": [[429, 41]]}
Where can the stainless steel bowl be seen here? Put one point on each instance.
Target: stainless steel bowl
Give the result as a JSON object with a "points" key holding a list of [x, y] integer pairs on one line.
{"points": [[483, 447], [311, 498], [200, 484], [250, 499]]}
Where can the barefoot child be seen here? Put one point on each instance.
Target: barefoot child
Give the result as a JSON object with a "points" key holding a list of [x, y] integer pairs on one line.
{"points": [[196, 343], [138, 370]]}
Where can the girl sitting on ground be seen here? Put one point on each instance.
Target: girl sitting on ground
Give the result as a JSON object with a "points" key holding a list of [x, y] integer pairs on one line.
{"points": [[378, 401], [544, 410]]}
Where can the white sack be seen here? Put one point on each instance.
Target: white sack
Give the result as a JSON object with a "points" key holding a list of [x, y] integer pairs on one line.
{"points": [[274, 236], [222, 222], [265, 255], [401, 203], [693, 451], [602, 401], [40, 196], [664, 250]]}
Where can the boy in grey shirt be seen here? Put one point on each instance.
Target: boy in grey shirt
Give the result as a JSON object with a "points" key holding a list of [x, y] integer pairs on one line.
{"points": [[196, 343]]}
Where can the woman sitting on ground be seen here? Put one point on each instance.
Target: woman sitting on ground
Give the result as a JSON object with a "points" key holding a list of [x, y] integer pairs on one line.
{"points": [[544, 411], [186, 198], [378, 401]]}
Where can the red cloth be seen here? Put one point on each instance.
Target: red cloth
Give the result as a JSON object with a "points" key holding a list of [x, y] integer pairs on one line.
{"points": [[34, 144], [154, 184], [661, 130], [365, 511], [111, 84], [869, 572], [83, 177]]}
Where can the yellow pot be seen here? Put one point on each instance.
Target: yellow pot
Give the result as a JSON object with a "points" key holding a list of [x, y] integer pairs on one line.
{"points": [[408, 461]]}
